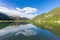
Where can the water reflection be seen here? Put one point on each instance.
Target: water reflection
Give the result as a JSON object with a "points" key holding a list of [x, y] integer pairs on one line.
{"points": [[50, 26], [21, 31], [4, 24], [16, 24]]}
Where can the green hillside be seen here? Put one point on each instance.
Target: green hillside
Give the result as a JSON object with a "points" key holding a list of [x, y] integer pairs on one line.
{"points": [[49, 21], [50, 16]]}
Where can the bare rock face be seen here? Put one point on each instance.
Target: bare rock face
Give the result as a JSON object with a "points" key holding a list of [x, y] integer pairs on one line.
{"points": [[15, 16]]}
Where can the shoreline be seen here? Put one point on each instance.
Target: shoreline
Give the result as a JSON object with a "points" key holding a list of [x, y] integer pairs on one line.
{"points": [[14, 20]]}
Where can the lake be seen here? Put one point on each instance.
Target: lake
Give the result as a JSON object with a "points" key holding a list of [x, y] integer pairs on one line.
{"points": [[24, 31]]}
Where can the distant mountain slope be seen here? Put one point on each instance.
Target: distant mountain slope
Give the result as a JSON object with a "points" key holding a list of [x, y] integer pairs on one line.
{"points": [[49, 21], [4, 16], [50, 16]]}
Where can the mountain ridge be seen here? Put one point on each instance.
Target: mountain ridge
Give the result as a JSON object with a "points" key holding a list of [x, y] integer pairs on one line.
{"points": [[4, 16], [50, 16], [49, 21]]}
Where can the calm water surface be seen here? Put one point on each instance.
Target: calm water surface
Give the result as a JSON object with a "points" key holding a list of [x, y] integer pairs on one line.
{"points": [[25, 31]]}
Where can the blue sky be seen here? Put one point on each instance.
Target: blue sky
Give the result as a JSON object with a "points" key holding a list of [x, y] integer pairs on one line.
{"points": [[41, 5]]}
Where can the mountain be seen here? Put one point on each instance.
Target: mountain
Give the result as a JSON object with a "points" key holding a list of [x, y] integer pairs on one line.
{"points": [[4, 16], [50, 16], [24, 18], [19, 18], [49, 21]]}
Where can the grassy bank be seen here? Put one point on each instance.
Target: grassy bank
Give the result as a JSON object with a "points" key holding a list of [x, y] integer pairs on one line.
{"points": [[14, 20]]}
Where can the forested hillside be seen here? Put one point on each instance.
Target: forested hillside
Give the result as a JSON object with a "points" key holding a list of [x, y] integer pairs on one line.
{"points": [[4, 16]]}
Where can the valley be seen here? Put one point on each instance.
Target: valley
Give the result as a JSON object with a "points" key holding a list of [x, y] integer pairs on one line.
{"points": [[48, 21]]}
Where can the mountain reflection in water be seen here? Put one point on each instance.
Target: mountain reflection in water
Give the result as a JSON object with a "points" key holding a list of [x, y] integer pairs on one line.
{"points": [[15, 24], [25, 31]]}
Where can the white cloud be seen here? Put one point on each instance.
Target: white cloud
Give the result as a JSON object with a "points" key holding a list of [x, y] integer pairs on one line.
{"points": [[29, 10], [27, 32], [24, 12], [18, 9], [4, 9], [21, 29]]}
